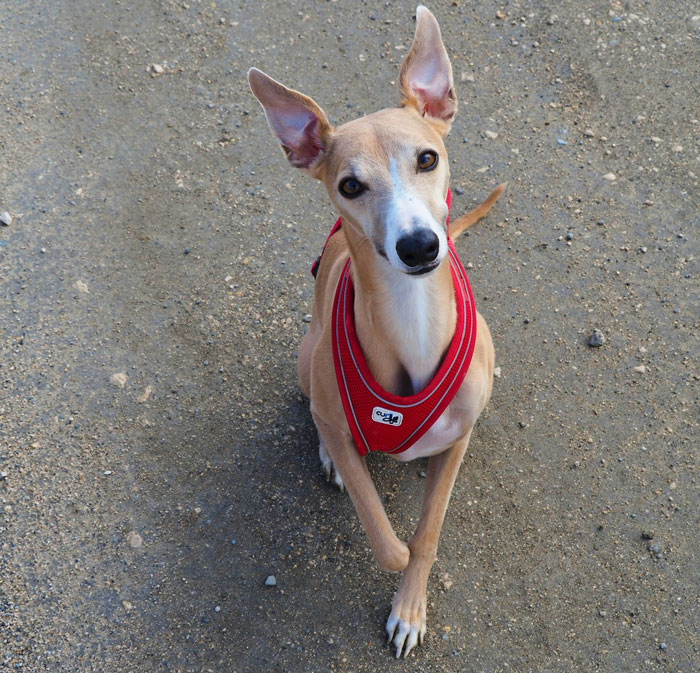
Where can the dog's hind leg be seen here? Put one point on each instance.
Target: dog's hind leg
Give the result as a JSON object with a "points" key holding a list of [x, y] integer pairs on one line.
{"points": [[304, 361], [327, 464]]}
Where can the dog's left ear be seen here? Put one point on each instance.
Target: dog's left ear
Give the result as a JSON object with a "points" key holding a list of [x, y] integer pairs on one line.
{"points": [[425, 80], [300, 125]]}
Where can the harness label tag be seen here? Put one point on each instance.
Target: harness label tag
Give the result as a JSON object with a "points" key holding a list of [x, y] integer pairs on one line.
{"points": [[387, 417]]}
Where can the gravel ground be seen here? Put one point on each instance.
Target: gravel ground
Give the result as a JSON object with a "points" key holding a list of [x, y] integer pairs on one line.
{"points": [[157, 462]]}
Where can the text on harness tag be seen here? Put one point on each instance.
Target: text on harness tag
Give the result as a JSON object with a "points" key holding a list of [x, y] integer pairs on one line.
{"points": [[387, 417]]}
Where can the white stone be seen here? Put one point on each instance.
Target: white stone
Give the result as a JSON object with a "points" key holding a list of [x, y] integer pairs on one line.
{"points": [[118, 379]]}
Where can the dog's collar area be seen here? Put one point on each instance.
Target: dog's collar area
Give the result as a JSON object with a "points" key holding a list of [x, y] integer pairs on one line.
{"points": [[378, 419]]}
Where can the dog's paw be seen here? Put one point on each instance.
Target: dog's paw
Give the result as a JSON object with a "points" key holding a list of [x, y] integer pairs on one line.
{"points": [[406, 624], [328, 467]]}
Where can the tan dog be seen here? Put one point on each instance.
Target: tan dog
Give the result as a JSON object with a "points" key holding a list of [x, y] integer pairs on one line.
{"points": [[387, 174]]}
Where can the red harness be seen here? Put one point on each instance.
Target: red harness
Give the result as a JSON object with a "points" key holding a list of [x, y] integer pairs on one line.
{"points": [[379, 420]]}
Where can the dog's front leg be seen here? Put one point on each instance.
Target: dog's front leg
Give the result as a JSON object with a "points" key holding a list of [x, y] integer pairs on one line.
{"points": [[406, 623], [390, 553]]}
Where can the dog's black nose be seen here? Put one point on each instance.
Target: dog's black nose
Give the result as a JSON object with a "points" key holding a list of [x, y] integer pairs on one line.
{"points": [[420, 247]]}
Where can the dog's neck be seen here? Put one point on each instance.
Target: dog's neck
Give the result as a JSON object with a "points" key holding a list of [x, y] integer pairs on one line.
{"points": [[404, 323]]}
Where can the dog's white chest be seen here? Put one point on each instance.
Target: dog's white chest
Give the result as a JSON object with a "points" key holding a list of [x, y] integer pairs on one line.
{"points": [[446, 430]]}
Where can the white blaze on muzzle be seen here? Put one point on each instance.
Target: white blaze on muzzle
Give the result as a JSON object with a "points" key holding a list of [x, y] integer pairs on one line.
{"points": [[405, 215]]}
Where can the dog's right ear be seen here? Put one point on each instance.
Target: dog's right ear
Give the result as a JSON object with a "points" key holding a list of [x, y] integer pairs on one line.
{"points": [[300, 125], [425, 80]]}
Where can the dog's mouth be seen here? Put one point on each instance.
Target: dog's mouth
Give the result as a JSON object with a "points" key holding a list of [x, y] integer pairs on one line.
{"points": [[423, 270]]}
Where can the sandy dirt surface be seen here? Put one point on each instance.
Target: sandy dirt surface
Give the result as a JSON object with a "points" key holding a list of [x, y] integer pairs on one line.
{"points": [[157, 461]]}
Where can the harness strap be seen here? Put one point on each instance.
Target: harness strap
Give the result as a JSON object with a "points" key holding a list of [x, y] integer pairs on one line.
{"points": [[378, 419], [316, 264]]}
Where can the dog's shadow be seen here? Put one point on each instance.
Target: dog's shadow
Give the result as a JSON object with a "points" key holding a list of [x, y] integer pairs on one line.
{"points": [[227, 502]]}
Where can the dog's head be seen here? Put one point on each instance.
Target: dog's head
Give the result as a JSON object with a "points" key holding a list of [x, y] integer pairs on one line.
{"points": [[387, 173]]}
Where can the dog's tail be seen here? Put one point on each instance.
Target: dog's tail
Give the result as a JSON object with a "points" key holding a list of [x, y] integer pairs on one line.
{"points": [[463, 223]]}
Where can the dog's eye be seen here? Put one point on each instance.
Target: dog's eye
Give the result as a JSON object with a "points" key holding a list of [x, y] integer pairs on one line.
{"points": [[350, 188], [427, 161]]}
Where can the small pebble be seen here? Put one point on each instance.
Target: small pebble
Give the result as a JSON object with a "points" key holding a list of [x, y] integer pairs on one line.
{"points": [[589, 133], [157, 70], [144, 395], [677, 148], [662, 646], [3, 475], [307, 317], [491, 135], [459, 191], [6, 218], [500, 14], [118, 379], [596, 339], [640, 369], [134, 539], [561, 141], [647, 535], [446, 581], [422, 474], [271, 581], [127, 605], [655, 549], [610, 177], [655, 139], [497, 372], [81, 286]]}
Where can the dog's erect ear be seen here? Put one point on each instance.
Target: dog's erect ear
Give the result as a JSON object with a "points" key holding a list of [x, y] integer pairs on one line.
{"points": [[425, 81], [300, 125]]}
